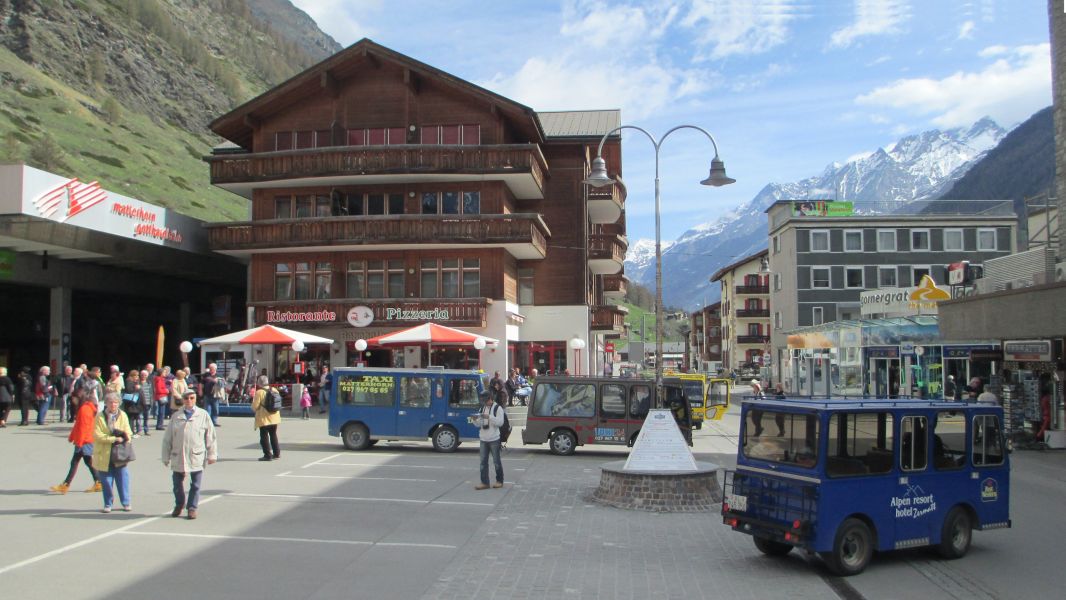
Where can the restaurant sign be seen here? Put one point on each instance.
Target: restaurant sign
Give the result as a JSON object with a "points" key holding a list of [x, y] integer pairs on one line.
{"points": [[1027, 350]]}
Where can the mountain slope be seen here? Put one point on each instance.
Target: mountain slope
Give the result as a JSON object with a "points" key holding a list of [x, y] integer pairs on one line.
{"points": [[916, 167], [121, 91]]}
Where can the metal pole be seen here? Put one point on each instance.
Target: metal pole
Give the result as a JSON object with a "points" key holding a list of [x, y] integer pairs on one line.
{"points": [[658, 292]]}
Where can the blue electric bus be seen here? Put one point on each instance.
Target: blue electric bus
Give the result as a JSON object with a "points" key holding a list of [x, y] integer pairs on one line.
{"points": [[844, 478], [372, 404]]}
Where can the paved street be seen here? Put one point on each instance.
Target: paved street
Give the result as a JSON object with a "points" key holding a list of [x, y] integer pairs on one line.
{"points": [[400, 521]]}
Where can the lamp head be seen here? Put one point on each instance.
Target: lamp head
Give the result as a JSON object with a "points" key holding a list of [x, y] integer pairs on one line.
{"points": [[598, 177], [717, 178]]}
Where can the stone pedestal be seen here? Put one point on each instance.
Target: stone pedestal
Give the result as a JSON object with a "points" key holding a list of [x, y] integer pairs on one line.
{"points": [[672, 491]]}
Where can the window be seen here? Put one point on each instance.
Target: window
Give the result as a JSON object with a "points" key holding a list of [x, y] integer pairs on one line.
{"points": [[451, 134], [853, 277], [323, 280], [777, 282], [525, 286], [471, 270], [860, 444], [372, 204], [322, 206], [817, 315], [377, 136], [953, 239], [366, 390], [639, 401], [283, 207], [463, 394], [283, 140], [917, 273], [442, 277], [777, 244], [355, 279], [448, 203], [919, 239], [305, 206], [305, 139], [949, 441], [820, 241], [886, 277], [754, 329], [613, 401], [913, 455], [384, 277], [302, 280], [429, 279], [987, 441], [820, 277], [574, 400], [282, 281], [986, 239], [777, 319], [789, 437], [886, 240], [449, 278], [415, 392], [853, 240]]}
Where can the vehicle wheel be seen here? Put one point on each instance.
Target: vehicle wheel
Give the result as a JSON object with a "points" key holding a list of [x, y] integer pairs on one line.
{"points": [[562, 442], [772, 548], [355, 436], [852, 548], [445, 439], [699, 425], [956, 535]]}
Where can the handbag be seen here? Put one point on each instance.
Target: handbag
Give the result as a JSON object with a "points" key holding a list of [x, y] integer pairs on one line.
{"points": [[122, 454]]}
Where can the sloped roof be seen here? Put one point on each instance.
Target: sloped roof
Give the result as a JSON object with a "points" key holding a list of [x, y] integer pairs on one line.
{"points": [[721, 272], [579, 123], [238, 124]]}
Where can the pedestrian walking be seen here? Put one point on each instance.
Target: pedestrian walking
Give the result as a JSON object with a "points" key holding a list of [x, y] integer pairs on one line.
{"points": [[24, 385], [305, 403], [112, 427], [214, 390], [7, 396], [266, 421], [147, 400], [43, 392], [189, 444], [131, 401], [81, 435], [325, 386], [162, 394], [490, 419]]}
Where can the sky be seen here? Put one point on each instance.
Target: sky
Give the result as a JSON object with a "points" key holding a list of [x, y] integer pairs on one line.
{"points": [[785, 87]]}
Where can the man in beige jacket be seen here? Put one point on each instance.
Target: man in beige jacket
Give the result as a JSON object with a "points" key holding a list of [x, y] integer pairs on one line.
{"points": [[265, 421], [188, 444]]}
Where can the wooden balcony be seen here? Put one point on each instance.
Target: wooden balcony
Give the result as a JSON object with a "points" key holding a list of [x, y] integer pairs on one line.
{"points": [[761, 313], [752, 339], [521, 166], [606, 254], [753, 289], [605, 204], [609, 317], [388, 312], [524, 235], [614, 286]]}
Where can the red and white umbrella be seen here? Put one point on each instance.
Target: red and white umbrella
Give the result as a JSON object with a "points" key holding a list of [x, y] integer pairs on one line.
{"points": [[429, 333], [267, 334]]}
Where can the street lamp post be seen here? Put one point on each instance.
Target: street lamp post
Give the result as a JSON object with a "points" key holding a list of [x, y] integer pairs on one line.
{"points": [[599, 178]]}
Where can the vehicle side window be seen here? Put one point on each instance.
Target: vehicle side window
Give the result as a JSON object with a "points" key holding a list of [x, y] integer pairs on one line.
{"points": [[949, 441], [415, 392], [574, 400], [463, 394], [913, 454], [639, 401], [613, 401], [366, 390], [790, 438], [987, 441], [859, 444]]}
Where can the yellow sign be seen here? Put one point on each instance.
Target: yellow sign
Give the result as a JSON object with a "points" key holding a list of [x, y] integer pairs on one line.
{"points": [[928, 292], [369, 384]]}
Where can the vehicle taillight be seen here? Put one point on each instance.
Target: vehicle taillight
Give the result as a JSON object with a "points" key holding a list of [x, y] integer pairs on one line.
{"points": [[797, 524], [725, 508], [731, 522], [788, 537]]}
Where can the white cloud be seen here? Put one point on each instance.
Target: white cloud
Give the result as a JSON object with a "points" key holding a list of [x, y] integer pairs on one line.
{"points": [[338, 18], [993, 51], [872, 17], [600, 26], [966, 30], [1010, 89], [749, 82], [741, 27]]}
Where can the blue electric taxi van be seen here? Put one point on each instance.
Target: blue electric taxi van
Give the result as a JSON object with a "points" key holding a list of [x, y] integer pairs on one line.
{"points": [[371, 404], [845, 477]]}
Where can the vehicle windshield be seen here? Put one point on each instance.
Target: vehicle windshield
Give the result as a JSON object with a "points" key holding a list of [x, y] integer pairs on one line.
{"points": [[693, 391], [780, 436]]}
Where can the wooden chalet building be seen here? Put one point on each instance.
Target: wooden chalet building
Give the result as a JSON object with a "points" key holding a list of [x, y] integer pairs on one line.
{"points": [[382, 186]]}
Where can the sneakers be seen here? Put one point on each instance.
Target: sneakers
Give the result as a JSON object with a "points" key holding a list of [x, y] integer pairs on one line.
{"points": [[136, 435], [192, 514], [176, 512], [97, 487], [127, 508], [481, 486], [106, 510], [60, 488], [498, 484], [265, 458]]}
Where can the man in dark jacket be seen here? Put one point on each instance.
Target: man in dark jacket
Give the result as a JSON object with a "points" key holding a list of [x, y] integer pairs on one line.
{"points": [[26, 396]]}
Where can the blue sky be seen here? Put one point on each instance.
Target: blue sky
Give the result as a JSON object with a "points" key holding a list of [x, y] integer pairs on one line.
{"points": [[785, 86]]}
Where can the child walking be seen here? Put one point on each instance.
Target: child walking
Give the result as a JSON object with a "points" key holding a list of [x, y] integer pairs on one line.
{"points": [[305, 403]]}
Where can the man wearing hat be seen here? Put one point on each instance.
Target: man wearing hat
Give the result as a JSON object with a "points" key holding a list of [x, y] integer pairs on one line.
{"points": [[189, 444]]}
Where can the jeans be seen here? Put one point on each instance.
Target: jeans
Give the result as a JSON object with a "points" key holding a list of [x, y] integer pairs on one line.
{"points": [[323, 399], [120, 476], [42, 409], [211, 404], [194, 489], [492, 448], [144, 420], [268, 440], [160, 413]]}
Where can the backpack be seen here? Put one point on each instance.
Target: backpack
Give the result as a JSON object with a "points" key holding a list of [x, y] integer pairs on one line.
{"points": [[505, 429], [272, 401]]}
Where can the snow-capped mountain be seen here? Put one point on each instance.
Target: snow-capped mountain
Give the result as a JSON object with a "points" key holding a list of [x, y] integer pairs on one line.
{"points": [[916, 167]]}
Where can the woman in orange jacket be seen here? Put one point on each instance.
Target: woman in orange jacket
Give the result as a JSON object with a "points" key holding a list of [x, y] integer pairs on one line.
{"points": [[81, 435]]}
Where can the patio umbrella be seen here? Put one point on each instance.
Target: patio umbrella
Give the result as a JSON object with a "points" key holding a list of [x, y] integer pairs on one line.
{"points": [[432, 334], [266, 334]]}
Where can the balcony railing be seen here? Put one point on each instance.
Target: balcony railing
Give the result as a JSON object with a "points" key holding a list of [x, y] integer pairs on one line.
{"points": [[387, 311], [401, 160], [524, 235], [753, 289], [606, 254], [758, 313], [609, 317], [752, 339], [615, 285], [604, 204]]}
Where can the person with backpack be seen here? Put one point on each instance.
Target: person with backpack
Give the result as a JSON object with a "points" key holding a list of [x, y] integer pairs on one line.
{"points": [[491, 420], [266, 404]]}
